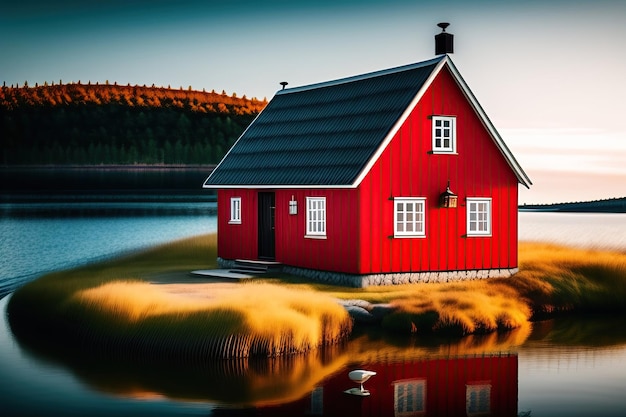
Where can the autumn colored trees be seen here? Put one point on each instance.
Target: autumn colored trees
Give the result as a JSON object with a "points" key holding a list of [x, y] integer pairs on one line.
{"points": [[112, 124]]}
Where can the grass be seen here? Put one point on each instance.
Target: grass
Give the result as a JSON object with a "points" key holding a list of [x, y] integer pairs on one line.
{"points": [[113, 307], [552, 279], [454, 308], [555, 278], [250, 320]]}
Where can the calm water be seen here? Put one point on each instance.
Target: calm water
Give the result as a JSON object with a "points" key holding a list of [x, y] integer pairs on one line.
{"points": [[591, 230], [563, 367], [30, 246]]}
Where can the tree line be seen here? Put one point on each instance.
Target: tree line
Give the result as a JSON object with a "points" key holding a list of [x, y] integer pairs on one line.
{"points": [[93, 124], [609, 205]]}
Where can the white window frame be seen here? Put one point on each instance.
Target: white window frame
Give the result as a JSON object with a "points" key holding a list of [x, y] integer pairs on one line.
{"points": [[414, 218], [409, 397], [479, 216], [438, 134], [235, 210], [316, 217]]}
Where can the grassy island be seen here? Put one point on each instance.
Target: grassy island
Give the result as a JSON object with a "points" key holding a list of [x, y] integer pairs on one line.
{"points": [[146, 304]]}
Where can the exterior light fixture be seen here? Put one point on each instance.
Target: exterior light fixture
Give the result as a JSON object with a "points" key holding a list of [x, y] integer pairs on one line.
{"points": [[448, 199], [293, 206]]}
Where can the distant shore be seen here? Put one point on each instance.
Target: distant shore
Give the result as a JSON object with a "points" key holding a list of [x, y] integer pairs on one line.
{"points": [[610, 205], [85, 179], [120, 167]]}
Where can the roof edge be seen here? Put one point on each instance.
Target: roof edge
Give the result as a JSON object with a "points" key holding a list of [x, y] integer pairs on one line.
{"points": [[398, 124], [360, 77], [204, 185], [522, 177], [277, 187]]}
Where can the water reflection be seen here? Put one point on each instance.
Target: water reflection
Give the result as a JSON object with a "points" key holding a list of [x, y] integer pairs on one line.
{"points": [[566, 364], [80, 206], [574, 366], [471, 386], [232, 382], [414, 378]]}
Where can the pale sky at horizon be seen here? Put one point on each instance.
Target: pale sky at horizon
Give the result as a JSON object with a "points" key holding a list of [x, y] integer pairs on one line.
{"points": [[548, 73]]}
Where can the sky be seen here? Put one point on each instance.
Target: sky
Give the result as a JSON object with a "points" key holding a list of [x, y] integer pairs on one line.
{"points": [[549, 74]]}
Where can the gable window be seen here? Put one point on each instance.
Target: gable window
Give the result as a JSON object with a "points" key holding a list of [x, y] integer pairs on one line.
{"points": [[478, 216], [409, 217], [444, 134], [316, 216], [235, 210]]}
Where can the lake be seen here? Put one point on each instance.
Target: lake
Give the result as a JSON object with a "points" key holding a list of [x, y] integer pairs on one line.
{"points": [[566, 366]]}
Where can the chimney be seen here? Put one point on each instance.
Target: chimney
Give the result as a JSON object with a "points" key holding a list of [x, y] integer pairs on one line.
{"points": [[444, 42]]}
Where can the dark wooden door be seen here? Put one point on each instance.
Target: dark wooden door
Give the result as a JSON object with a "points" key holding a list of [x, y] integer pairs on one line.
{"points": [[267, 243]]}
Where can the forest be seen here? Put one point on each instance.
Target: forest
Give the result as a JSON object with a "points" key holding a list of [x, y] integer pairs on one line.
{"points": [[106, 124]]}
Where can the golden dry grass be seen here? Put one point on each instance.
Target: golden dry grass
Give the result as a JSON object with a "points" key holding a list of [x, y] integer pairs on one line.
{"points": [[113, 307], [281, 320], [552, 278], [473, 307], [556, 278]]}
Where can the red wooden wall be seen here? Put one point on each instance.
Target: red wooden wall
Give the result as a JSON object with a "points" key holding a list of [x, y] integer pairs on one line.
{"points": [[337, 252], [237, 241], [407, 168]]}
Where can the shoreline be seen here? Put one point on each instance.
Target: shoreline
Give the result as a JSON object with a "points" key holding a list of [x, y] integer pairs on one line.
{"points": [[152, 293]]}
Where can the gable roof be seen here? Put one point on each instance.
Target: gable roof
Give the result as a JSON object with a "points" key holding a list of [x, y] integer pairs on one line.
{"points": [[328, 135]]}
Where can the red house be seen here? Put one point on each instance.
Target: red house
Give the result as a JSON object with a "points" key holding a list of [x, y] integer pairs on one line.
{"points": [[389, 177], [470, 386]]}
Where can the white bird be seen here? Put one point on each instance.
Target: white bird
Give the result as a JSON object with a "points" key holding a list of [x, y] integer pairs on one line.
{"points": [[359, 376]]}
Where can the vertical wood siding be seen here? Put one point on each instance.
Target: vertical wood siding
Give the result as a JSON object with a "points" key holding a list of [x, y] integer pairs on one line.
{"points": [[407, 168], [338, 251], [237, 241]]}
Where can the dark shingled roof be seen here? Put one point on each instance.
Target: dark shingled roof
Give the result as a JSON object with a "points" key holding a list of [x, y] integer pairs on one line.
{"points": [[322, 134]]}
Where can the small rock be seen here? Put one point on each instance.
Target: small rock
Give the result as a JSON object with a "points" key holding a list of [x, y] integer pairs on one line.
{"points": [[358, 303], [381, 310], [360, 315]]}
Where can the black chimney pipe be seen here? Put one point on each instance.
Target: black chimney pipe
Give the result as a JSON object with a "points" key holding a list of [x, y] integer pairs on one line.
{"points": [[444, 41]]}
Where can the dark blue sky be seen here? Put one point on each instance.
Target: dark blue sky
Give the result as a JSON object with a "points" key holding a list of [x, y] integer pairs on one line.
{"points": [[548, 73]]}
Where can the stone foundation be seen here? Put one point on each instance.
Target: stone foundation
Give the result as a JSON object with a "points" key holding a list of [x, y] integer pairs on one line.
{"points": [[362, 281], [225, 263]]}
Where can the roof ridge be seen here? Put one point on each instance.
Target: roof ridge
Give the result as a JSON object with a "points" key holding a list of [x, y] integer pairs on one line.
{"points": [[360, 77]]}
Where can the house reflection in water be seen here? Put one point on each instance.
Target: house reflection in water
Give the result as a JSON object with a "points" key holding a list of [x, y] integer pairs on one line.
{"points": [[462, 386]]}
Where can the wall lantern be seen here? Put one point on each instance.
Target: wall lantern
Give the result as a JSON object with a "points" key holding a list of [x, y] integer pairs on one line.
{"points": [[293, 206], [448, 199]]}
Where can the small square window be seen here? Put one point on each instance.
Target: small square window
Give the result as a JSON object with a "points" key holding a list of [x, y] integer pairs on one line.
{"points": [[479, 216], [409, 215], [444, 134]]}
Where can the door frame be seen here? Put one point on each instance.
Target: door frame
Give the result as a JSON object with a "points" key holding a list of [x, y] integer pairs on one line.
{"points": [[267, 225]]}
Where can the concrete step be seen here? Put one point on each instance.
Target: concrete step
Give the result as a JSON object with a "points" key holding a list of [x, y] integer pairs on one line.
{"points": [[252, 271], [255, 267]]}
